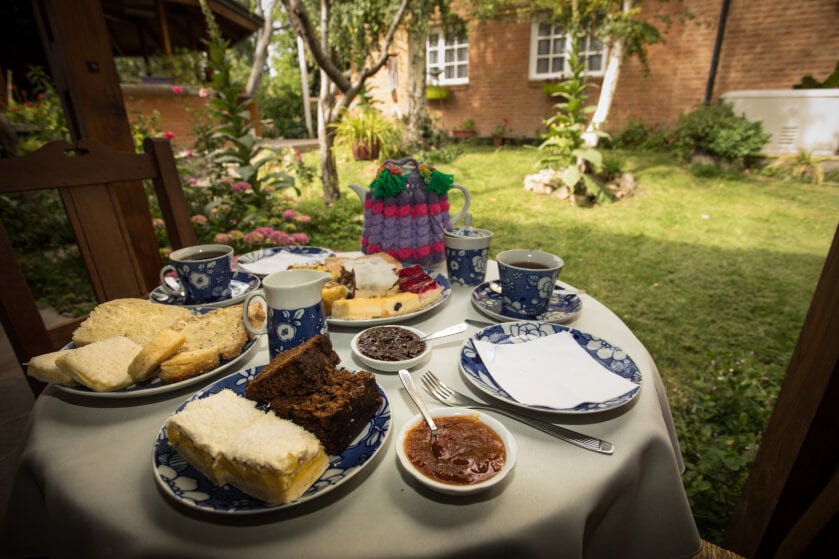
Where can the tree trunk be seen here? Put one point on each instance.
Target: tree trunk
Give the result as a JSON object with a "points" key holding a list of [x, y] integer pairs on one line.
{"points": [[328, 114], [417, 111], [260, 55], [610, 84]]}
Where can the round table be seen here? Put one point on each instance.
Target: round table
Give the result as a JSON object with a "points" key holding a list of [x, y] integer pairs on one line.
{"points": [[85, 485]]}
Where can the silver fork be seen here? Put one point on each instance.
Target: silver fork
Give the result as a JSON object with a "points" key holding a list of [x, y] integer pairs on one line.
{"points": [[453, 398]]}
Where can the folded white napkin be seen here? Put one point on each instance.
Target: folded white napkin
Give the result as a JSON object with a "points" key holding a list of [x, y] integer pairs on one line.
{"points": [[552, 371], [280, 261]]}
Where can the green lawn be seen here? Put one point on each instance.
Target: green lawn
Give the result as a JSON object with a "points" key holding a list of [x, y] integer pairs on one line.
{"points": [[714, 276]]}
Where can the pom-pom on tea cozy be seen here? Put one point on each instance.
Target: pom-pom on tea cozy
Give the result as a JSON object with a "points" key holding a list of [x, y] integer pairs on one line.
{"points": [[406, 211]]}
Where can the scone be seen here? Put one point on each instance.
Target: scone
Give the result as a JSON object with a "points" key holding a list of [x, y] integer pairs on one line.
{"points": [[162, 347], [137, 319]]}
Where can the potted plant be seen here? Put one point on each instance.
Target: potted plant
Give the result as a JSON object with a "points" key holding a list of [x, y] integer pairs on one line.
{"points": [[465, 129], [499, 132], [437, 92], [368, 132]]}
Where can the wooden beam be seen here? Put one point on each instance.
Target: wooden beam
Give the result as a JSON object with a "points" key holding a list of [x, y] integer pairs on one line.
{"points": [[164, 27], [81, 61], [797, 458]]}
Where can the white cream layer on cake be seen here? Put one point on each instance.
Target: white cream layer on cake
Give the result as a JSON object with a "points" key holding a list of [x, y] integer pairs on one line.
{"points": [[229, 440]]}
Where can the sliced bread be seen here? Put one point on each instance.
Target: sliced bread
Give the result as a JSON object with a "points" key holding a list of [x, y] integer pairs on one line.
{"points": [[101, 366]]}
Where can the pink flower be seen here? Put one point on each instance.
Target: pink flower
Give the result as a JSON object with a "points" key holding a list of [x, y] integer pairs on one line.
{"points": [[192, 181], [298, 156], [289, 214], [221, 238], [253, 238], [300, 238], [264, 231], [189, 153], [177, 90], [198, 219], [280, 238], [204, 92], [303, 218], [169, 135], [240, 186]]}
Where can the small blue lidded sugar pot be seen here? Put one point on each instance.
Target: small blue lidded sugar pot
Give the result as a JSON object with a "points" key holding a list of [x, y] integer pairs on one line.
{"points": [[467, 252]]}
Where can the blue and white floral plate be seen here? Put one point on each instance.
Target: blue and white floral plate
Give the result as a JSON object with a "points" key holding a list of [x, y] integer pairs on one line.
{"points": [[241, 284], [188, 486], [611, 357], [562, 308], [315, 255], [153, 385], [444, 296]]}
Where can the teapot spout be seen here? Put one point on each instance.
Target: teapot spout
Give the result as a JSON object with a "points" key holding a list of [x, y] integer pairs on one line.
{"points": [[359, 190]]}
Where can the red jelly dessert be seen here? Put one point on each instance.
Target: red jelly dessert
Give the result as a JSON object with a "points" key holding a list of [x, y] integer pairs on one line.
{"points": [[413, 279]]}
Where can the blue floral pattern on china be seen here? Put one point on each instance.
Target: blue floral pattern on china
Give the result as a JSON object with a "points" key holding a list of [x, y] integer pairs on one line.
{"points": [[257, 255], [561, 308], [611, 357], [290, 328], [205, 280], [189, 487], [240, 285], [466, 266], [533, 289]]}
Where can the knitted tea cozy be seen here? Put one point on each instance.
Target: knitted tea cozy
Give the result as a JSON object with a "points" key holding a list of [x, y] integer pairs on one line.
{"points": [[406, 211]]}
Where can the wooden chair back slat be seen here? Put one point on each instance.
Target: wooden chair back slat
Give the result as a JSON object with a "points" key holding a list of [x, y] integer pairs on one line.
{"points": [[88, 177]]}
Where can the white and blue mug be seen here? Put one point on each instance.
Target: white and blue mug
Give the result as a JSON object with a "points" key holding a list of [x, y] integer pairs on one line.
{"points": [[527, 280], [467, 252], [295, 311], [203, 273]]}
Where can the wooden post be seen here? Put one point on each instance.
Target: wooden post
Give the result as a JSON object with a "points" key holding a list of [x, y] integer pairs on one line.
{"points": [[790, 497], [112, 223]]}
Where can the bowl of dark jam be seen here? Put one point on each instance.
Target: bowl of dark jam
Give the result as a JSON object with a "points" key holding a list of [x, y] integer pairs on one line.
{"points": [[472, 452], [390, 348]]}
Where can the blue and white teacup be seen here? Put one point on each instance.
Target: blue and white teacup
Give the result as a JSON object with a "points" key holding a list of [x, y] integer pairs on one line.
{"points": [[204, 273], [467, 252], [294, 306], [527, 280]]}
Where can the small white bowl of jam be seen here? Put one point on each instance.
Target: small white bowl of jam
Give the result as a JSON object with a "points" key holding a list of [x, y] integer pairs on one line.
{"points": [[473, 451], [390, 348]]}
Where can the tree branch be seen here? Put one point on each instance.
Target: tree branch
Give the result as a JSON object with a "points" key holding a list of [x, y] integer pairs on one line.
{"points": [[303, 25]]}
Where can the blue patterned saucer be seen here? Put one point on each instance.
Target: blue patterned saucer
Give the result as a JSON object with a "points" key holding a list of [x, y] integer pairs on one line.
{"points": [[240, 285], [613, 358], [562, 308]]}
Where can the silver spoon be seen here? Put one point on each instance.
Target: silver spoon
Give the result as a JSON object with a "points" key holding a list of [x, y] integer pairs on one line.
{"points": [[450, 331], [495, 287], [409, 385]]}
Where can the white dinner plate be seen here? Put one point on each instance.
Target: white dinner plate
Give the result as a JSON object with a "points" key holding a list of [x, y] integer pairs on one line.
{"points": [[614, 359], [317, 255], [185, 484], [241, 284], [561, 308], [444, 296], [153, 385]]}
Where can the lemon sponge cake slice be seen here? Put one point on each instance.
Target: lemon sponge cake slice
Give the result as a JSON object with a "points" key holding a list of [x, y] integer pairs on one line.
{"points": [[273, 459], [229, 440]]}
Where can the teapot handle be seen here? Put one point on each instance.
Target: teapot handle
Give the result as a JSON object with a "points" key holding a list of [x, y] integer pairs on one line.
{"points": [[466, 201]]}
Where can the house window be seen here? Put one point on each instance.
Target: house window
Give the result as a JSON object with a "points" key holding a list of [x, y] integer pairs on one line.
{"points": [[447, 58], [550, 46]]}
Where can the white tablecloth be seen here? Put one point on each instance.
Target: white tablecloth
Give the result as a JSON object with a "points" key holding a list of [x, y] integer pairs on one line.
{"points": [[85, 486]]}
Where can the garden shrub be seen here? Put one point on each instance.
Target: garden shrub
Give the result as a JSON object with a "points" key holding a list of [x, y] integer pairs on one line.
{"points": [[715, 130], [720, 424], [802, 166], [638, 136]]}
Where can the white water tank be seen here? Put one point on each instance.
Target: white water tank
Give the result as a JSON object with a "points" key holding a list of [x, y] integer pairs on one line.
{"points": [[797, 119]]}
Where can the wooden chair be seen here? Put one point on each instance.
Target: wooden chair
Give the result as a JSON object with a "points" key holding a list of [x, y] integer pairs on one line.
{"points": [[88, 176]]}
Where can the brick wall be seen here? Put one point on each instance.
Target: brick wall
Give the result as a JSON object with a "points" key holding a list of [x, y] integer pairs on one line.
{"points": [[770, 44], [179, 112]]}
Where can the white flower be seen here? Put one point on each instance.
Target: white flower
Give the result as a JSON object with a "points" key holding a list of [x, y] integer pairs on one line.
{"points": [[286, 331], [199, 280], [546, 286]]}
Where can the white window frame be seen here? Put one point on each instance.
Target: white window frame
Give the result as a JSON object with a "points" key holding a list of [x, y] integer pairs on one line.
{"points": [[446, 43], [556, 32]]}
